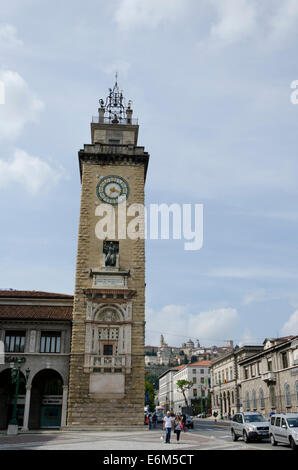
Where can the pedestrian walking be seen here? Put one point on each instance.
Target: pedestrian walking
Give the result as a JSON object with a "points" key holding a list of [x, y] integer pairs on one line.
{"points": [[178, 426], [167, 426], [154, 420], [150, 422]]}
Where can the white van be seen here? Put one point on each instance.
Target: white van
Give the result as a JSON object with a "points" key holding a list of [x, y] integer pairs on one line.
{"points": [[284, 429]]}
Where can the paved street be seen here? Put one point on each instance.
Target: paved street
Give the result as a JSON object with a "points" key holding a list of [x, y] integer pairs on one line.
{"points": [[206, 435]]}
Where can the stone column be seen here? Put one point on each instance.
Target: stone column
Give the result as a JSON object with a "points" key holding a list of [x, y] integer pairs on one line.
{"points": [[64, 405], [27, 408]]}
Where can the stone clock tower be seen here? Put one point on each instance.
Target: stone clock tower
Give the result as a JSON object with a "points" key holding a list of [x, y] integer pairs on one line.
{"points": [[106, 386]]}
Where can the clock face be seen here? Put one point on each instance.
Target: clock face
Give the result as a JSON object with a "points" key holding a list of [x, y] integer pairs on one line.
{"points": [[110, 188]]}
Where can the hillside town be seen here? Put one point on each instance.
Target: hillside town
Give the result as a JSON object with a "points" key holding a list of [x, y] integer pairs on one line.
{"points": [[251, 378]]}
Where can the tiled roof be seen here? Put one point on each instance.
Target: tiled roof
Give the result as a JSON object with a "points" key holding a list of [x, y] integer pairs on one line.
{"points": [[283, 338], [35, 312], [179, 367], [200, 363], [32, 294]]}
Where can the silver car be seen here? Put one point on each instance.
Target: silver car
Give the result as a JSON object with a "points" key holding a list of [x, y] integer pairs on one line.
{"points": [[250, 426], [284, 429]]}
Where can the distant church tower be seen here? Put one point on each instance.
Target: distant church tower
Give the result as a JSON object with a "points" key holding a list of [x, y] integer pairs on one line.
{"points": [[106, 384]]}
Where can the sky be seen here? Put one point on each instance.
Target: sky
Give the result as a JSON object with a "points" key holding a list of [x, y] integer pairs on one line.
{"points": [[210, 83]]}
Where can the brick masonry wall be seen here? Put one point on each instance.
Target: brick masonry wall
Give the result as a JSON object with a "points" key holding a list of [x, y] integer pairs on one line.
{"points": [[84, 410]]}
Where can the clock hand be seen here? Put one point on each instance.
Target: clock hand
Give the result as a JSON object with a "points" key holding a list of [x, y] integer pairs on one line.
{"points": [[114, 190]]}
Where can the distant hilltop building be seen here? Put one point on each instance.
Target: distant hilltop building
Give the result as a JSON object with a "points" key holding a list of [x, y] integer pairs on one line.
{"points": [[164, 355]]}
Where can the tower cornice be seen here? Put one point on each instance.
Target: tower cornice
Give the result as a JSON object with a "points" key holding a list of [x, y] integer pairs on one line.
{"points": [[103, 154]]}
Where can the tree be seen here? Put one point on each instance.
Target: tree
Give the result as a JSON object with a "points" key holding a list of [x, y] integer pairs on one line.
{"points": [[153, 379], [182, 386], [149, 391]]}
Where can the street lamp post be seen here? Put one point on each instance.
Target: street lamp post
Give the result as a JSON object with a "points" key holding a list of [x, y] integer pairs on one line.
{"points": [[16, 379], [220, 399], [202, 400]]}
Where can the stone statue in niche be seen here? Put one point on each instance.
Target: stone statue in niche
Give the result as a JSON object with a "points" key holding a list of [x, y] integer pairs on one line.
{"points": [[110, 250]]}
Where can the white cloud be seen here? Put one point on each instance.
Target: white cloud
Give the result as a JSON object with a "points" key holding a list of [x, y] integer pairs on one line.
{"points": [[255, 296], [291, 326], [265, 24], [248, 339], [214, 324], [21, 105], [252, 273], [8, 37], [284, 20], [236, 19], [29, 172], [177, 324], [148, 13]]}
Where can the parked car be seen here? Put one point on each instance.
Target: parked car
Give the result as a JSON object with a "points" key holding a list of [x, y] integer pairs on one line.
{"points": [[284, 429], [189, 422], [250, 426]]}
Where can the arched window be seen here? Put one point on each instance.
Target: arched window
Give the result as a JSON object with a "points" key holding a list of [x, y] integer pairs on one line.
{"points": [[254, 400], [288, 395], [272, 396], [247, 400], [261, 396]]}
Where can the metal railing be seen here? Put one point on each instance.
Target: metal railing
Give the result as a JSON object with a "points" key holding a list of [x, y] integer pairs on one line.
{"points": [[269, 376], [111, 120], [127, 149]]}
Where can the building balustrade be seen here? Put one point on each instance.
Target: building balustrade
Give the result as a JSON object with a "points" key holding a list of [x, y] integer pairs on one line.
{"points": [[269, 376], [105, 362]]}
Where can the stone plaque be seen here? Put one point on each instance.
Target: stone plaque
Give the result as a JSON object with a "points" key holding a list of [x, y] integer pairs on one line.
{"points": [[112, 281], [107, 383]]}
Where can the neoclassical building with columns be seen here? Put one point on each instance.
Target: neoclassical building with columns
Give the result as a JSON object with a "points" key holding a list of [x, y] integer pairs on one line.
{"points": [[35, 327]]}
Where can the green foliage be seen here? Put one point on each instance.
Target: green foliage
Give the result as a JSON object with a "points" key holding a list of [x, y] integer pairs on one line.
{"points": [[200, 405], [153, 379], [184, 385], [150, 391]]}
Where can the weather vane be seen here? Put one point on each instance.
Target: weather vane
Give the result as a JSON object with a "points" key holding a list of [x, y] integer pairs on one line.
{"points": [[114, 104]]}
